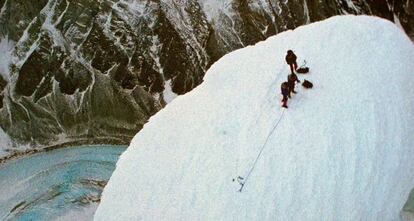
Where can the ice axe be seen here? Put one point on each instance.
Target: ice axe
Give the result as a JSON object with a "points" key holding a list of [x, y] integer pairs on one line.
{"points": [[240, 180]]}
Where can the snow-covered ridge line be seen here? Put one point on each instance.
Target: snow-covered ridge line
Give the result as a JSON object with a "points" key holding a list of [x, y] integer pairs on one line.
{"points": [[342, 151]]}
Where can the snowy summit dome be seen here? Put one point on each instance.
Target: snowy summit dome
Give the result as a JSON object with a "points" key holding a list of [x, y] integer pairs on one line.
{"points": [[342, 151]]}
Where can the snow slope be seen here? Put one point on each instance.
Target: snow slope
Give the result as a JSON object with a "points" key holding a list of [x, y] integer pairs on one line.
{"points": [[342, 151]]}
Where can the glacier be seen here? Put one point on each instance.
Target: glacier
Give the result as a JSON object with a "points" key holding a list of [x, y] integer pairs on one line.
{"points": [[61, 184], [342, 150]]}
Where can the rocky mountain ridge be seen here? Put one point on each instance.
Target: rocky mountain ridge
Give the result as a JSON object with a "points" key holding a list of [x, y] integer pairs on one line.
{"points": [[98, 69]]}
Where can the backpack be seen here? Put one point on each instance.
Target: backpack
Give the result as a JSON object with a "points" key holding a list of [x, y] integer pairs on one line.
{"points": [[302, 70], [307, 84]]}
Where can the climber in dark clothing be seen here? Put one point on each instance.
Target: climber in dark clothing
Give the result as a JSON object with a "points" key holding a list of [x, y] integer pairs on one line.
{"points": [[291, 60], [292, 79], [285, 92]]}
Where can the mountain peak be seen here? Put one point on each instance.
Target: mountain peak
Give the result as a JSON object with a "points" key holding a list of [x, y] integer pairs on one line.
{"points": [[342, 151]]}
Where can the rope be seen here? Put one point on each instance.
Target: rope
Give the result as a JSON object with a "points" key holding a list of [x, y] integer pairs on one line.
{"points": [[304, 64], [242, 181]]}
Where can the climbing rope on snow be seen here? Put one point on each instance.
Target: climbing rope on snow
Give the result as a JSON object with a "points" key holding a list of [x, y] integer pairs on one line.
{"points": [[242, 180], [304, 64]]}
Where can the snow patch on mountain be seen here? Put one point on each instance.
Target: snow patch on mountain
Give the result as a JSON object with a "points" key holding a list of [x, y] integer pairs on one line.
{"points": [[3, 9], [214, 8], [169, 95], [6, 48], [5, 143]]}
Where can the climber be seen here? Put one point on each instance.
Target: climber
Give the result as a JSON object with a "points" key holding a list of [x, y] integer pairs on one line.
{"points": [[285, 92], [292, 79], [291, 60]]}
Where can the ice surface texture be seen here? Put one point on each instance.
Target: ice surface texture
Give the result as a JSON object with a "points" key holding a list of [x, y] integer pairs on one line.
{"points": [[343, 150]]}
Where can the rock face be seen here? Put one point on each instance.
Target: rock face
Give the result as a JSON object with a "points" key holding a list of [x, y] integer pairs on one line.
{"points": [[90, 69]]}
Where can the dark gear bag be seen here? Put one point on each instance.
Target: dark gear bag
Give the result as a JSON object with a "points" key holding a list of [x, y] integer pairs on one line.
{"points": [[307, 84], [302, 70]]}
